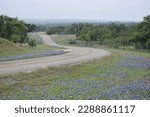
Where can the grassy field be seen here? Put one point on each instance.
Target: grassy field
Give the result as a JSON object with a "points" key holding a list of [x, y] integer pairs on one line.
{"points": [[123, 75], [63, 39], [9, 49]]}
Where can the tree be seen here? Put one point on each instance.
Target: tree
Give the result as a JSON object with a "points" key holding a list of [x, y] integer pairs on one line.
{"points": [[143, 33], [102, 34], [10, 26], [55, 30], [86, 34], [31, 27], [85, 38], [32, 43], [148, 44]]}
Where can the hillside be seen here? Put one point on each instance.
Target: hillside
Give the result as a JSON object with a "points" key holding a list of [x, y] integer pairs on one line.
{"points": [[5, 44], [12, 51]]}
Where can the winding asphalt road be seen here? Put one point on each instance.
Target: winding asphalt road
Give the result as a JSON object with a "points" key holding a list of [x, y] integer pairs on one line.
{"points": [[75, 55]]}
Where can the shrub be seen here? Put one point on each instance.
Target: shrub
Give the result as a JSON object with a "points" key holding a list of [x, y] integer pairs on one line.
{"points": [[15, 38], [72, 42], [32, 43]]}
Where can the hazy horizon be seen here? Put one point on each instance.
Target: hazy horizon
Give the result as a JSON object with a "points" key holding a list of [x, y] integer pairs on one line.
{"points": [[98, 10], [70, 21]]}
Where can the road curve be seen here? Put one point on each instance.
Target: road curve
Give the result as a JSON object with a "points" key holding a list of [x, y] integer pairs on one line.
{"points": [[74, 56]]}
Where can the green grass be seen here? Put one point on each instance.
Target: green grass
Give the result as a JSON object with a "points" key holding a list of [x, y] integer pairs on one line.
{"points": [[65, 39], [84, 81], [108, 78], [25, 50], [6, 44], [8, 48]]}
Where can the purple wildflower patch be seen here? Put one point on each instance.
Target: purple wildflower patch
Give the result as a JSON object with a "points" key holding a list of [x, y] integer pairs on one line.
{"points": [[134, 91], [135, 62], [117, 74], [103, 89], [45, 53]]}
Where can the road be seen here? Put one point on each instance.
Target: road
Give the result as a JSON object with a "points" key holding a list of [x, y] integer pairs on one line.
{"points": [[75, 55]]}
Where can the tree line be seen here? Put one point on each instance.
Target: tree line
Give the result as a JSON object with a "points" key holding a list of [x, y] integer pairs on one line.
{"points": [[116, 35], [111, 34]]}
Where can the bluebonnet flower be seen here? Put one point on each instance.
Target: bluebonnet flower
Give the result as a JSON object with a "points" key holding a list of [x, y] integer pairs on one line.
{"points": [[135, 62], [45, 53], [130, 91]]}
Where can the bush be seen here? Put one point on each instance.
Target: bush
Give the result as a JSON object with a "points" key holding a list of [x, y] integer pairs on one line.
{"points": [[107, 42], [13, 29], [72, 42], [15, 38], [113, 43], [32, 43]]}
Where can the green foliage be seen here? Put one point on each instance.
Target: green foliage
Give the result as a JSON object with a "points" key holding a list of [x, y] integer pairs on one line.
{"points": [[148, 44], [113, 35], [36, 37], [72, 42], [5, 44], [9, 49], [107, 78], [12, 29], [32, 43], [31, 27], [15, 38], [71, 29], [55, 30], [142, 35], [117, 35]]}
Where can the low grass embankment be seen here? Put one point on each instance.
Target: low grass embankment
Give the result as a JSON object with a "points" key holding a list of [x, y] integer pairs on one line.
{"points": [[123, 75], [11, 51]]}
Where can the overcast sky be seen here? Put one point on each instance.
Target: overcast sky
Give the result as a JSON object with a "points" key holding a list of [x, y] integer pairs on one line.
{"points": [[120, 10]]}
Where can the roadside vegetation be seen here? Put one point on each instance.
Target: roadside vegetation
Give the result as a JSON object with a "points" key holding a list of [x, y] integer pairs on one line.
{"points": [[18, 41], [125, 74], [12, 51], [15, 30]]}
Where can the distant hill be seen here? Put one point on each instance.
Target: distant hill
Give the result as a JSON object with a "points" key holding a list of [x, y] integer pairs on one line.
{"points": [[58, 21], [70, 21]]}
